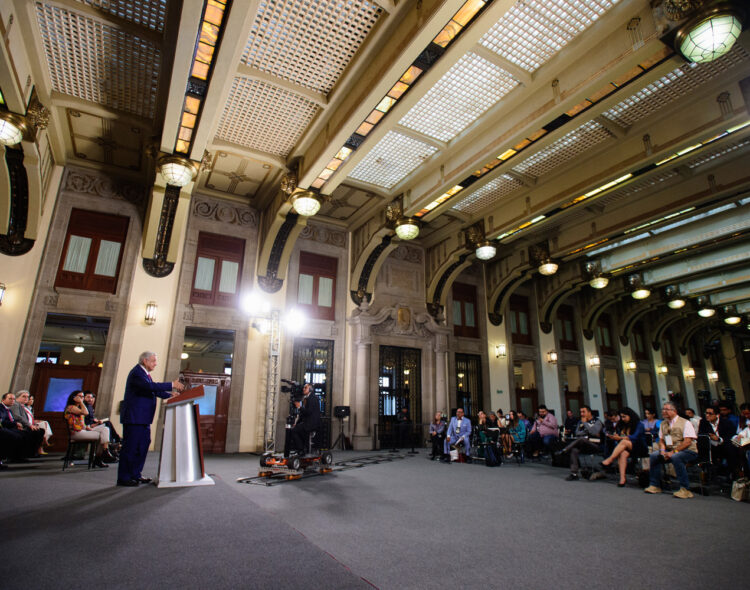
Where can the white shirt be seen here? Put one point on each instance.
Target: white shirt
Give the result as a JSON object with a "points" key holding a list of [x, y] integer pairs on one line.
{"points": [[689, 431]]}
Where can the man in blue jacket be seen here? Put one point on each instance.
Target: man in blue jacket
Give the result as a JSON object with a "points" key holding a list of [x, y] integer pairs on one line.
{"points": [[138, 409]]}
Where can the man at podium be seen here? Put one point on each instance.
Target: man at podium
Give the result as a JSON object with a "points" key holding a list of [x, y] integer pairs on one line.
{"points": [[136, 415]]}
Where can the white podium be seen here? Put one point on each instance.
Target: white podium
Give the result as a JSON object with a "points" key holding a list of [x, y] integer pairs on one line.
{"points": [[181, 459]]}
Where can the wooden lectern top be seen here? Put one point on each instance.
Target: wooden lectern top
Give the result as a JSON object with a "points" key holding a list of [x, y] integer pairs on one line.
{"points": [[187, 395]]}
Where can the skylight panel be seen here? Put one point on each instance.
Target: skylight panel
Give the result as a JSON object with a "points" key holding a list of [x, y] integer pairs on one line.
{"points": [[392, 159], [533, 31], [466, 91], [489, 194]]}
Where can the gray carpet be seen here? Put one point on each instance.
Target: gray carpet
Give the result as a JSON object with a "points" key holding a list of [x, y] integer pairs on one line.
{"points": [[404, 524]]}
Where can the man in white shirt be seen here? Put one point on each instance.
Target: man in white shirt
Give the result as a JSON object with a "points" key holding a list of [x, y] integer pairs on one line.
{"points": [[677, 445]]}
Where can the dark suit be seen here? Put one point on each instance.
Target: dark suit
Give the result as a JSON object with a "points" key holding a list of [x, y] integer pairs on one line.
{"points": [[19, 443], [725, 450], [138, 409], [307, 422]]}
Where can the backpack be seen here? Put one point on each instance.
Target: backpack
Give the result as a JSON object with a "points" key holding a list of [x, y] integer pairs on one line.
{"points": [[491, 458]]}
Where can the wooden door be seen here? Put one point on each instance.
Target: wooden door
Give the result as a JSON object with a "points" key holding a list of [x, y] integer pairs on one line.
{"points": [[573, 401], [51, 385], [213, 407], [527, 401]]}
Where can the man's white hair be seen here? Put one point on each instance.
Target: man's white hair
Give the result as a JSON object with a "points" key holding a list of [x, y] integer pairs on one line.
{"points": [[145, 355]]}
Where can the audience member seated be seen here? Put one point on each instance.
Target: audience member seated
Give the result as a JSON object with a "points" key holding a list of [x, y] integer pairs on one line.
{"points": [[587, 437], [501, 421], [726, 412], [742, 439], [715, 440], [630, 442], [481, 433], [571, 423], [677, 445], [610, 427], [25, 442], [652, 424], [526, 422], [458, 435], [516, 433], [43, 423], [89, 398], [75, 411], [23, 415], [544, 432], [694, 419], [437, 435]]}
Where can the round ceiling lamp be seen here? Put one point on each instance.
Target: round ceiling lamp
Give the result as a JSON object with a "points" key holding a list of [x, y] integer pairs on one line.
{"points": [[548, 267], [599, 282], [676, 303], [11, 128], [485, 250], [706, 312], [177, 171], [407, 228], [709, 36], [732, 320], [306, 203], [641, 293], [78, 348]]}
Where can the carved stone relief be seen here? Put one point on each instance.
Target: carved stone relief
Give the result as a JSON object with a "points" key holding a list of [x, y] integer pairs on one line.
{"points": [[232, 214], [324, 235]]}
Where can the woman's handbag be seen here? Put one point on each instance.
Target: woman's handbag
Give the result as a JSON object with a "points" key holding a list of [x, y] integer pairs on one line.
{"points": [[741, 490]]}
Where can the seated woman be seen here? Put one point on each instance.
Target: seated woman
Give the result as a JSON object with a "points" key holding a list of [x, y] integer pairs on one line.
{"points": [[75, 411], [651, 424], [516, 433], [43, 423], [22, 413], [437, 435], [630, 439]]}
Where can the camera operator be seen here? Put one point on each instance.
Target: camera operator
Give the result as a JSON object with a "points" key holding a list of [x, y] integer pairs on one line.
{"points": [[308, 419]]}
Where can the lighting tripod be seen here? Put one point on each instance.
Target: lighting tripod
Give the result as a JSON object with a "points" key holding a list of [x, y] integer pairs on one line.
{"points": [[341, 438]]}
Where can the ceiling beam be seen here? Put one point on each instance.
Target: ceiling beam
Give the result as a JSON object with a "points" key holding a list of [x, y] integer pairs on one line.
{"points": [[246, 71], [515, 71]]}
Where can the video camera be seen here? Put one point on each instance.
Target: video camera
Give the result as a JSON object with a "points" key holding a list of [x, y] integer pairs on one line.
{"points": [[293, 388]]}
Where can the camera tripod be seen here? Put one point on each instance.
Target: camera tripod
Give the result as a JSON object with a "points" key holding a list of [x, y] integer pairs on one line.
{"points": [[341, 438]]}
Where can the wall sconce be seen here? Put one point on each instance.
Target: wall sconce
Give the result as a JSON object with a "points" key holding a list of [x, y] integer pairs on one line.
{"points": [[690, 373], [663, 369], [637, 289], [552, 357], [674, 301], [12, 128], [407, 228], [184, 356], [2, 292], [177, 170], [500, 351], [711, 32], [151, 308], [597, 278], [594, 361], [476, 239], [540, 257], [730, 315], [713, 375], [631, 365], [704, 307]]}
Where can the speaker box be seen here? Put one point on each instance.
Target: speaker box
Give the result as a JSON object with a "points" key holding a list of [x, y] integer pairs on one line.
{"points": [[341, 411]]}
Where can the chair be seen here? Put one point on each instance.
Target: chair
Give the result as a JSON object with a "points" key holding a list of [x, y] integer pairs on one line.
{"points": [[68, 459]]}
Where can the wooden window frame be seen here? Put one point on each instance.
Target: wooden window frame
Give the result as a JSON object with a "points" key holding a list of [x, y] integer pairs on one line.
{"points": [[220, 248], [519, 304], [318, 266], [97, 227], [464, 293]]}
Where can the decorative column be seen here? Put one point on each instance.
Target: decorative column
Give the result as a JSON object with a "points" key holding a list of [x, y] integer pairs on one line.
{"points": [[362, 390], [630, 378], [442, 403]]}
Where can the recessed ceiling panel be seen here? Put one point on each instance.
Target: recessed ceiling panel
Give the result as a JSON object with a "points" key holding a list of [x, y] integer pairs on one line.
{"points": [[392, 159], [146, 13], [676, 84], [533, 31], [466, 91], [489, 194], [567, 147], [236, 175], [264, 117], [98, 62], [309, 43]]}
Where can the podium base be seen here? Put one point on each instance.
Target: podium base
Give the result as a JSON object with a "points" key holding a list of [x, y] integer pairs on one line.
{"points": [[205, 481]]}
